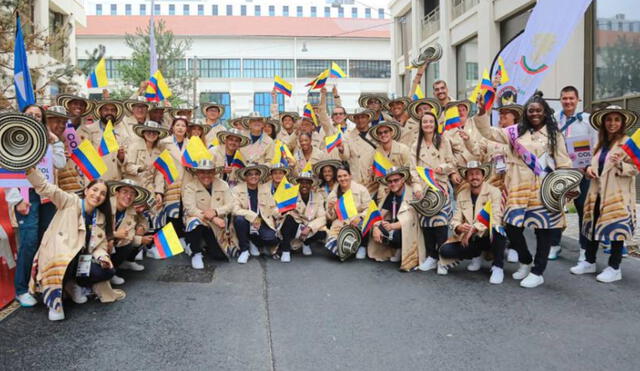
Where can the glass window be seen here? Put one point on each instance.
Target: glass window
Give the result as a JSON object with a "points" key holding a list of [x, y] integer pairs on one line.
{"points": [[229, 9], [219, 68], [172, 9], [98, 9], [299, 11], [313, 67], [370, 69], [201, 9], [381, 13], [466, 58], [179, 66], [220, 98], [340, 12], [262, 103], [143, 9], [285, 11], [113, 67], [512, 26], [185, 9], [354, 12], [267, 68], [314, 12], [617, 72], [314, 98], [257, 10], [214, 10], [367, 13], [432, 74], [327, 12], [114, 9], [127, 9], [272, 11], [156, 9], [243, 10]]}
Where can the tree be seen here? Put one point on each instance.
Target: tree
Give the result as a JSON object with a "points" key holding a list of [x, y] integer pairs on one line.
{"points": [[618, 71], [171, 61]]}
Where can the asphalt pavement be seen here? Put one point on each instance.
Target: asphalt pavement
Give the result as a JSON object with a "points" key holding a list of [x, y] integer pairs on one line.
{"points": [[319, 314]]}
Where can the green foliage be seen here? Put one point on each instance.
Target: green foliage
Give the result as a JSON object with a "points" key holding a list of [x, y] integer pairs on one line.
{"points": [[618, 71]]}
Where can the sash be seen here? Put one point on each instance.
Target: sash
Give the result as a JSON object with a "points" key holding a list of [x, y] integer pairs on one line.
{"points": [[570, 121], [529, 158]]}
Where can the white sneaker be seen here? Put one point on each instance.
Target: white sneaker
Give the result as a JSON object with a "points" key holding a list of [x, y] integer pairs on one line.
{"points": [[442, 270], [286, 257], [428, 264], [583, 267], [362, 253], [512, 256], [55, 315], [131, 266], [609, 275], [582, 257], [117, 280], [497, 275], [139, 256], [26, 300], [76, 293], [531, 281], [253, 249], [475, 265], [244, 257], [554, 252], [196, 261], [397, 257], [522, 272], [306, 250]]}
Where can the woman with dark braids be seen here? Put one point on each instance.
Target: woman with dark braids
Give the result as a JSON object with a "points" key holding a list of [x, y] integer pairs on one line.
{"points": [[536, 148]]}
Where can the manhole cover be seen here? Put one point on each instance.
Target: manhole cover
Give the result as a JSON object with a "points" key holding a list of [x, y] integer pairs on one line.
{"points": [[184, 273]]}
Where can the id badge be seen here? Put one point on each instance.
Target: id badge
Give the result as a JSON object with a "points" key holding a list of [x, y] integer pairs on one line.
{"points": [[84, 265], [501, 165]]}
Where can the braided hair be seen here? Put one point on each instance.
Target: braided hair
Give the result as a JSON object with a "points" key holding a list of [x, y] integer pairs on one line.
{"points": [[549, 121]]}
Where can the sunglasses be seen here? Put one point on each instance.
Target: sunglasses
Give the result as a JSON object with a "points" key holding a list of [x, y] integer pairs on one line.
{"points": [[381, 132]]}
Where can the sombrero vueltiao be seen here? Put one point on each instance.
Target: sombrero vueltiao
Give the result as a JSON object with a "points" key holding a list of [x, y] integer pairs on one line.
{"points": [[264, 171], [149, 125], [597, 118], [431, 203], [403, 171], [23, 141], [395, 130], [486, 168], [348, 242], [517, 108], [56, 111], [174, 111], [205, 128], [365, 97], [306, 175], [141, 193], [233, 132], [294, 116], [129, 103], [64, 100], [464, 102], [206, 106], [203, 165], [361, 111], [318, 166], [238, 120], [404, 100], [253, 116], [555, 186], [414, 105], [116, 103], [280, 166], [276, 125]]}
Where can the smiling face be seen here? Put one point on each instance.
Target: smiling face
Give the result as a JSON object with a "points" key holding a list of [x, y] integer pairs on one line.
{"points": [[464, 111], [76, 107], [423, 108], [441, 91], [305, 186], [95, 195], [256, 126], [196, 131], [396, 108], [34, 112], [475, 177], [305, 143], [428, 124], [139, 111], [569, 101], [57, 125], [328, 173], [277, 175], [179, 128], [205, 177], [344, 178], [268, 129], [232, 143], [613, 123], [384, 134], [395, 182], [150, 136], [507, 118], [125, 197], [287, 122], [362, 121], [252, 178], [213, 113], [108, 113], [339, 115], [535, 114], [374, 104]]}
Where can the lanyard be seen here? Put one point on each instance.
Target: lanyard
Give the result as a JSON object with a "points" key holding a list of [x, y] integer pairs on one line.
{"points": [[90, 227], [119, 218], [570, 121], [394, 204]]}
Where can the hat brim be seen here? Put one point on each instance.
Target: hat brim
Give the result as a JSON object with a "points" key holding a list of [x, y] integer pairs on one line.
{"points": [[141, 193], [117, 104], [414, 105], [205, 107], [140, 129], [512, 107], [294, 116], [24, 141], [630, 117], [317, 167], [194, 170], [205, 128], [486, 168], [48, 114], [352, 117], [364, 98], [286, 170], [129, 103], [246, 120], [314, 180], [404, 171], [264, 172], [64, 100], [395, 128], [223, 135], [173, 112], [404, 100]]}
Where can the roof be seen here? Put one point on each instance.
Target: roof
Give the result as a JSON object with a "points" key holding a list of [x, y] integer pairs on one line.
{"points": [[242, 26]]}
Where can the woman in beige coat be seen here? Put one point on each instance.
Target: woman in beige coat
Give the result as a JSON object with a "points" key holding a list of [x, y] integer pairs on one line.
{"points": [[176, 144], [81, 230], [609, 210]]}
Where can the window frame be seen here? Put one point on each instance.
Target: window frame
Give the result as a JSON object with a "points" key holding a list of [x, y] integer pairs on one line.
{"points": [[220, 97], [262, 103]]}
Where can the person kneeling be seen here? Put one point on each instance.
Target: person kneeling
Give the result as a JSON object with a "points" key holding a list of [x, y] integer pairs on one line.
{"points": [[477, 224]]}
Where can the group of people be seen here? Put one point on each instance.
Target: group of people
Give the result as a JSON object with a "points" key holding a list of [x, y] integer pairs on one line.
{"points": [[450, 194]]}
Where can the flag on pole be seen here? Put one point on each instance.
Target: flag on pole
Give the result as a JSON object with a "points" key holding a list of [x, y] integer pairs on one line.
{"points": [[632, 148], [157, 89], [381, 164], [308, 112], [108, 143], [89, 160], [346, 206], [167, 167], [428, 175], [320, 81], [418, 94], [373, 216], [195, 151], [332, 141], [281, 85], [238, 160], [286, 196], [501, 72], [336, 71], [153, 57], [98, 77], [21, 74], [167, 243]]}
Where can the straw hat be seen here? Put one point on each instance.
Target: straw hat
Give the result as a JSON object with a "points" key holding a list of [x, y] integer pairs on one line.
{"points": [[517, 108], [395, 130], [203, 165], [597, 118], [253, 116], [101, 103], [205, 128], [64, 100], [360, 111], [280, 166], [139, 101], [306, 175], [174, 111], [264, 171], [294, 116], [403, 171], [414, 105], [56, 111], [233, 132], [206, 106], [404, 100], [486, 168], [365, 97], [318, 166], [141, 193], [276, 125], [151, 126]]}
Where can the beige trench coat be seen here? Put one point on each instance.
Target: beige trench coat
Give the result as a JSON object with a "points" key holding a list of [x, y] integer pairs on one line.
{"points": [[361, 197], [138, 166], [93, 132], [267, 209], [359, 154]]}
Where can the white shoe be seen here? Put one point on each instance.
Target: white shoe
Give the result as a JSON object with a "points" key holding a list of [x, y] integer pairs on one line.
{"points": [[554, 252], [362, 253], [583, 267], [397, 257], [609, 275], [196, 261], [131, 266], [76, 293], [253, 249], [531, 281], [512, 256], [428, 264], [497, 275], [186, 246], [26, 300], [522, 272], [475, 265], [139, 256], [582, 257], [117, 280], [286, 257], [442, 270], [55, 315], [244, 257], [306, 250]]}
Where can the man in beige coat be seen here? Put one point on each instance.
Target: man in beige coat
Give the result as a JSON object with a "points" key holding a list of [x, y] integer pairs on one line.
{"points": [[359, 148]]}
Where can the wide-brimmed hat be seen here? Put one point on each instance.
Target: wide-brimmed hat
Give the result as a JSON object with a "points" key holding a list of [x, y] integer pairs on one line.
{"points": [[23, 141], [233, 132], [205, 127], [139, 101], [157, 106], [253, 116], [485, 167], [413, 107], [276, 125], [403, 171], [173, 111], [630, 117], [279, 166], [404, 100], [306, 175], [431, 203], [56, 111], [64, 99], [208, 105], [556, 185], [464, 102], [231, 122], [395, 130], [150, 125], [317, 167], [294, 115], [365, 97], [203, 165], [348, 241], [264, 171], [517, 108], [141, 193], [101, 103], [360, 111]]}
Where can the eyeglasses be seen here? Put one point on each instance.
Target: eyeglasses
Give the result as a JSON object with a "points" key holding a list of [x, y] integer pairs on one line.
{"points": [[338, 113], [381, 132], [394, 180]]}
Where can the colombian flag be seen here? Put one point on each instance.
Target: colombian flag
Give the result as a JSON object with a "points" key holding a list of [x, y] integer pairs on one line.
{"points": [[336, 71], [307, 168], [333, 141], [502, 71], [346, 206], [165, 165], [281, 153], [238, 160], [373, 216], [308, 112], [108, 143], [195, 151], [484, 216], [98, 78], [452, 118], [380, 164], [279, 84], [319, 81], [632, 148], [88, 160], [487, 88], [167, 242], [157, 89], [428, 175], [286, 196], [418, 94]]}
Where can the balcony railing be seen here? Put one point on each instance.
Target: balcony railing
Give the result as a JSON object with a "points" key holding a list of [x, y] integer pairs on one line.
{"points": [[431, 23], [459, 7]]}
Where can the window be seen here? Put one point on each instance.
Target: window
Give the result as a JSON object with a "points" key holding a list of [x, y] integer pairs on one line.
{"points": [[56, 26], [314, 98], [98, 9], [314, 11], [370, 69], [185, 9], [143, 9], [113, 67], [267, 68], [272, 11], [466, 72], [214, 10], [243, 10], [262, 103], [354, 12], [220, 98], [313, 67], [340, 12], [285, 11], [229, 9], [471, 73], [172, 9], [327, 12], [200, 9], [299, 11], [512, 26], [257, 10], [114, 9], [156, 9], [179, 67], [367, 13], [431, 74], [127, 9], [219, 68], [381, 13]]}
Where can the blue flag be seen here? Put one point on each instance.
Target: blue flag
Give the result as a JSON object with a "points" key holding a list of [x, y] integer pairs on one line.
{"points": [[21, 75]]}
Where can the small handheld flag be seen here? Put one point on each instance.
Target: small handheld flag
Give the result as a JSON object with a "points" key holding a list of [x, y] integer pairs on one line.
{"points": [[336, 71], [279, 84], [98, 77], [373, 216], [286, 196], [320, 81], [428, 175], [167, 242], [452, 118], [484, 216], [418, 94], [108, 143], [89, 160], [487, 88], [332, 141], [167, 166], [502, 71], [632, 148], [307, 167], [308, 112], [381, 164], [238, 160], [195, 151], [215, 142], [346, 206], [157, 89]]}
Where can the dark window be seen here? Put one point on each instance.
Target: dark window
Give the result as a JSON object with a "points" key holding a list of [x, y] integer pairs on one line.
{"points": [[314, 98], [272, 11], [98, 9], [200, 9], [354, 12], [111, 66], [327, 12], [314, 12], [172, 9], [224, 68], [127, 9], [156, 9], [229, 9], [214, 10], [381, 13], [257, 10], [143, 9], [220, 98], [243, 10], [370, 69], [285, 11], [267, 68], [313, 67], [185, 9], [340, 12], [299, 11], [262, 103], [179, 67], [367, 13], [114, 9]]}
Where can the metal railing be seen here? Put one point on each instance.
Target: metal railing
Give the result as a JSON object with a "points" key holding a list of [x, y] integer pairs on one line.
{"points": [[431, 23], [459, 7]]}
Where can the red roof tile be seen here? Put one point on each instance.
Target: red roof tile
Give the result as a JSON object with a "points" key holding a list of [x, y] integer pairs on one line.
{"points": [[242, 26]]}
